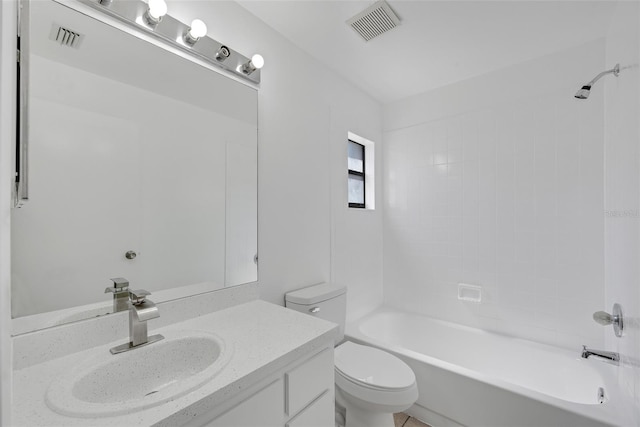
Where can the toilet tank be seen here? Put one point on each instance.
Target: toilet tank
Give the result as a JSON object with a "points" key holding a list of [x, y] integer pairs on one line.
{"points": [[326, 301]]}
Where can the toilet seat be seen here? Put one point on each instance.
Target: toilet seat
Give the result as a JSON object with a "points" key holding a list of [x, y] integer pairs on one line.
{"points": [[372, 368], [373, 380], [374, 399]]}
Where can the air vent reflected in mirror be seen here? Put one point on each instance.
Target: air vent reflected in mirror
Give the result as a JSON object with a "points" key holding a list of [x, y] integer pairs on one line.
{"points": [[65, 36]]}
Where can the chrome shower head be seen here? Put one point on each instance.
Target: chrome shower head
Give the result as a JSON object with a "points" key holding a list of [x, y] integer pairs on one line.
{"points": [[584, 92]]}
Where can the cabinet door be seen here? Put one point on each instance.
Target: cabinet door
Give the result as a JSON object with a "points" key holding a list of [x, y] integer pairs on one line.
{"points": [[309, 380], [263, 409], [321, 413]]}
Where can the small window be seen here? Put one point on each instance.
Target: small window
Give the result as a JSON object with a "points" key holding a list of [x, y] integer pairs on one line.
{"points": [[355, 165]]}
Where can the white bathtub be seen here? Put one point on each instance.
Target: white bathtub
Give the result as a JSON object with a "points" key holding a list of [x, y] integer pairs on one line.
{"points": [[472, 377]]}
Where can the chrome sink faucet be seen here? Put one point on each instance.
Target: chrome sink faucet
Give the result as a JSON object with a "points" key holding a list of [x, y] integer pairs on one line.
{"points": [[120, 291], [607, 355], [140, 311]]}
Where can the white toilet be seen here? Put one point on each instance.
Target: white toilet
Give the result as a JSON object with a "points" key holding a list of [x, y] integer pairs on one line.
{"points": [[371, 384]]}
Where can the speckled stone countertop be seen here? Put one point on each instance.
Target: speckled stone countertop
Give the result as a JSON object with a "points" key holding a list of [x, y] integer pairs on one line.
{"points": [[265, 338]]}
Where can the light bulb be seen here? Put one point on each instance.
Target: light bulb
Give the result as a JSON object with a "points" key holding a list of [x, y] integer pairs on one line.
{"points": [[157, 8], [258, 61], [198, 29]]}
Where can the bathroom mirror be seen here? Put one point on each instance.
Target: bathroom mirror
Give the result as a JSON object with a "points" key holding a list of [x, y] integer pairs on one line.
{"points": [[142, 164]]}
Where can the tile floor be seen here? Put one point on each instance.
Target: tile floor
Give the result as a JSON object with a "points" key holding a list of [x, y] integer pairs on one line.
{"points": [[404, 420]]}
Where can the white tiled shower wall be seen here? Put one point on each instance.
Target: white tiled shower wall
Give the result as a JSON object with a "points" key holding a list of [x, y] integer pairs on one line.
{"points": [[622, 193], [498, 181]]}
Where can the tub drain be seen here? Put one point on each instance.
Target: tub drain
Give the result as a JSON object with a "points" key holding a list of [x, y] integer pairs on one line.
{"points": [[601, 395]]}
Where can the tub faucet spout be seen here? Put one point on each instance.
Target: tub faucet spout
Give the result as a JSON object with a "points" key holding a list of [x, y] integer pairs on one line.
{"points": [[607, 355]]}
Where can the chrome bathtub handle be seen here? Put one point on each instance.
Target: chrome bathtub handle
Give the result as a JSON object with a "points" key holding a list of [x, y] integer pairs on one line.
{"points": [[615, 318], [603, 318], [314, 310]]}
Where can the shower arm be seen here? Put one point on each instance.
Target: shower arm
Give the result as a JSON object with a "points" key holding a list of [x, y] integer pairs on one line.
{"points": [[615, 70]]}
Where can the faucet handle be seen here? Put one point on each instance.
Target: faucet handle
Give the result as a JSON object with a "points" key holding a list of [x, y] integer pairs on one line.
{"points": [[615, 318], [138, 297], [603, 318], [120, 284]]}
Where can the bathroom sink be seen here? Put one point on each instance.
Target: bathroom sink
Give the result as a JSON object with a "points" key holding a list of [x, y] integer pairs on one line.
{"points": [[109, 385]]}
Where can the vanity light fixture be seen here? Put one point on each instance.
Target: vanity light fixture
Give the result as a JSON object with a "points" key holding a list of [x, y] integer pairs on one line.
{"points": [[223, 53], [192, 40], [196, 30], [157, 9], [256, 62]]}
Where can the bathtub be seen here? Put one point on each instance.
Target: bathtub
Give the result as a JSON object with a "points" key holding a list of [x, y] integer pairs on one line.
{"points": [[472, 377]]}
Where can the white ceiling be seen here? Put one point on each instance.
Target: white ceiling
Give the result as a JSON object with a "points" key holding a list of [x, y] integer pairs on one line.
{"points": [[437, 42]]}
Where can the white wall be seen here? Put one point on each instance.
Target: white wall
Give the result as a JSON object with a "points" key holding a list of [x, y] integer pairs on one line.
{"points": [[498, 181], [7, 138], [306, 234], [356, 245], [622, 193]]}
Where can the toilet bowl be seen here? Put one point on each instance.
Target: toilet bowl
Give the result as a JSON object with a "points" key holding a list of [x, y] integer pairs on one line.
{"points": [[371, 384]]}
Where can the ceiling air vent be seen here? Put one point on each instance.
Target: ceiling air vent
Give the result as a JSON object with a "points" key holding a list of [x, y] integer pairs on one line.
{"points": [[374, 20], [65, 36]]}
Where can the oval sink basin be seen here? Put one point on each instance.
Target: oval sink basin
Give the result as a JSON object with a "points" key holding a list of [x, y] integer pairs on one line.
{"points": [[109, 385]]}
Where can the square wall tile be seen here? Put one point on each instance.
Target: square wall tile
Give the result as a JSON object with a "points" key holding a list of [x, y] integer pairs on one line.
{"points": [[511, 198]]}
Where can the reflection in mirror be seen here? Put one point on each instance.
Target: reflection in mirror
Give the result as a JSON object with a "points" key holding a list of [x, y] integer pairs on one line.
{"points": [[142, 164]]}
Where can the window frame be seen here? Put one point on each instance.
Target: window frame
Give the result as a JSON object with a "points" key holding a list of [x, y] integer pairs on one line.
{"points": [[351, 172]]}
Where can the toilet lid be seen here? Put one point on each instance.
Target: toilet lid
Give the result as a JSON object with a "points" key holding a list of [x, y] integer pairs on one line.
{"points": [[372, 367]]}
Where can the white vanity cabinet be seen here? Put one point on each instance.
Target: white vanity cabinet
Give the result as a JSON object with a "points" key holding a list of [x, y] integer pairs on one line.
{"points": [[301, 395], [280, 371]]}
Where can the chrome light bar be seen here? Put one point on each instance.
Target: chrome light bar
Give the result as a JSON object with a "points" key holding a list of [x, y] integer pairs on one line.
{"points": [[172, 31]]}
